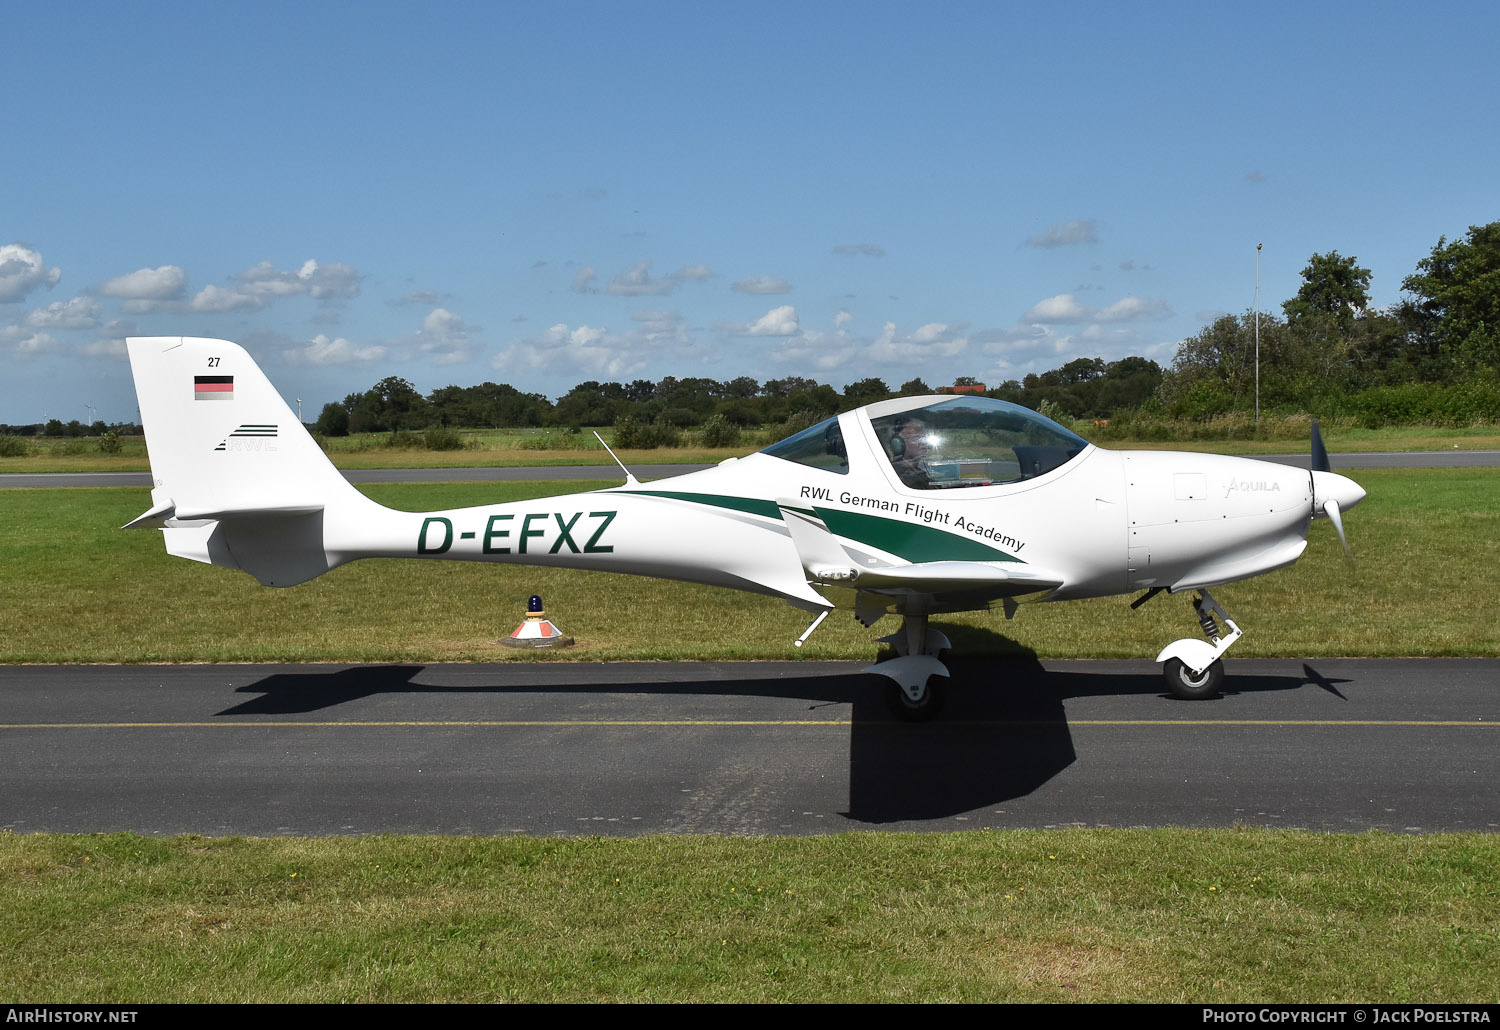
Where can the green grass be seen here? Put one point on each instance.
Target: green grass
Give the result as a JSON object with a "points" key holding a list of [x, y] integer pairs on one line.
{"points": [[508, 448], [76, 589], [1032, 916], [1348, 439], [489, 448]]}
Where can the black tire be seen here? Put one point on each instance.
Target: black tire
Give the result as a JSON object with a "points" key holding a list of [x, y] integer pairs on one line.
{"points": [[907, 710], [1183, 684]]}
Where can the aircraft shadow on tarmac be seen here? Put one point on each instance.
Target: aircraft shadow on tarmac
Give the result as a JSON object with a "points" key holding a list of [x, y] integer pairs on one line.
{"points": [[1002, 734]]}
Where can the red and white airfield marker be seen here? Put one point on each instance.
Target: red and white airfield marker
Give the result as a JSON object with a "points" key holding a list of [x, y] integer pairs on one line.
{"points": [[537, 630]]}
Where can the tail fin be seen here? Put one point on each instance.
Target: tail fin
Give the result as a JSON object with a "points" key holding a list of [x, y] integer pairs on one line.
{"points": [[237, 479]]}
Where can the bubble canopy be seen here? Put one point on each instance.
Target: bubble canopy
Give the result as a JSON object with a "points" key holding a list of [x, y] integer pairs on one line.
{"points": [[945, 443]]}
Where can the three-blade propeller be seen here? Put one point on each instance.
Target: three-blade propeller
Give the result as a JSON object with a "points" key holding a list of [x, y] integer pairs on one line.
{"points": [[1332, 493]]}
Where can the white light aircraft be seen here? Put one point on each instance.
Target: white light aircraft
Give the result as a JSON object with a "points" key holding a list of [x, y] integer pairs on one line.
{"points": [[914, 507]]}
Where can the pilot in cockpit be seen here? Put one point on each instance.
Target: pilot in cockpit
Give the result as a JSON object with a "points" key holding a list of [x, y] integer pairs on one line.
{"points": [[908, 452]]}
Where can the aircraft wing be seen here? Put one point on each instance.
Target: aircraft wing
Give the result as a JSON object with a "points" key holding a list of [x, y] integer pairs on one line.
{"points": [[940, 577], [968, 583]]}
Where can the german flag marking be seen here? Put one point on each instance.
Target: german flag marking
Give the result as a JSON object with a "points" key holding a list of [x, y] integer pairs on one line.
{"points": [[213, 388]]}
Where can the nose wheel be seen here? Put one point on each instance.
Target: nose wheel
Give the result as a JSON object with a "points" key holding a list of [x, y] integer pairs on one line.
{"points": [[915, 692], [1194, 669], [1193, 686], [918, 704]]}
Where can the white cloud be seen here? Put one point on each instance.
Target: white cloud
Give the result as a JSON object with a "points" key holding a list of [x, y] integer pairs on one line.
{"points": [[934, 340], [1003, 341], [323, 351], [821, 352], [574, 353], [1062, 308], [1071, 234], [636, 281], [106, 347], [111, 341], [446, 337], [337, 281], [78, 313], [587, 336], [653, 322], [23, 343], [322, 282], [264, 279], [442, 322], [780, 321], [1066, 308], [762, 284], [842, 319], [23, 270], [584, 351], [1136, 309], [217, 299], [150, 284]]}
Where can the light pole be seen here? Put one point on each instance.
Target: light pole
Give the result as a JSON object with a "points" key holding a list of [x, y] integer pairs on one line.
{"points": [[1257, 334]]}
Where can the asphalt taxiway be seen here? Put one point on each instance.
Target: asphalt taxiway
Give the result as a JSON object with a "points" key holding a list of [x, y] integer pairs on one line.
{"points": [[1402, 745], [1406, 745]]}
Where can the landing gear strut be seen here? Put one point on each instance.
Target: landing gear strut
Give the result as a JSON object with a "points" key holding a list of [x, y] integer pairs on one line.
{"points": [[1194, 669], [914, 694]]}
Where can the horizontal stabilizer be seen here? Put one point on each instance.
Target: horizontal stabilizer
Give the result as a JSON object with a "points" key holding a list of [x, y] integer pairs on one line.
{"points": [[161, 511], [280, 511], [155, 517]]}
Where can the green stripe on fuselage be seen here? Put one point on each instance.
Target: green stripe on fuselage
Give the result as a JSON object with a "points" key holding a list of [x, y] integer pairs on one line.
{"points": [[751, 505], [912, 541]]}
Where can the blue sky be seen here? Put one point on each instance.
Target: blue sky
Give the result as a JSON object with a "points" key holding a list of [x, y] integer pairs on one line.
{"points": [[546, 194]]}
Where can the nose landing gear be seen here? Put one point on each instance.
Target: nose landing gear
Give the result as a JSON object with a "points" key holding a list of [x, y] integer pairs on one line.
{"points": [[915, 692], [1193, 668]]}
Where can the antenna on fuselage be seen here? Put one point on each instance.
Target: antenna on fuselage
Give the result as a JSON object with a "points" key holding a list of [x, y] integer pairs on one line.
{"points": [[629, 476]]}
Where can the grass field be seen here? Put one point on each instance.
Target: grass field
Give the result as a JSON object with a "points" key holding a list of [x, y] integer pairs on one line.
{"points": [[76, 589], [1018, 916], [506, 448]]}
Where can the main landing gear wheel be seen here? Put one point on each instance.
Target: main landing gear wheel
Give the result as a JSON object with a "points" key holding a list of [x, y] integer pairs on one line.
{"points": [[923, 708], [1183, 683]]}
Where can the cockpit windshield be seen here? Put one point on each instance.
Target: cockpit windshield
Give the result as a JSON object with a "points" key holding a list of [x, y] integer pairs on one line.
{"points": [[972, 441], [821, 447]]}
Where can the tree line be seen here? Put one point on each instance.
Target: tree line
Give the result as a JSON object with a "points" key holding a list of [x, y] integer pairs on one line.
{"points": [[1434, 356], [393, 404], [1330, 351], [1327, 349]]}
